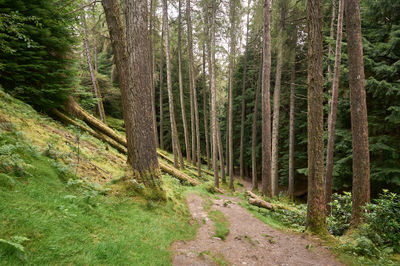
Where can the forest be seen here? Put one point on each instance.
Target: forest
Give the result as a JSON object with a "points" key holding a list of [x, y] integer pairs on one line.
{"points": [[200, 132]]}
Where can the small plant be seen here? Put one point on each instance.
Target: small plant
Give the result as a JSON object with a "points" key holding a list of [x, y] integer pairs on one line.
{"points": [[13, 246]]}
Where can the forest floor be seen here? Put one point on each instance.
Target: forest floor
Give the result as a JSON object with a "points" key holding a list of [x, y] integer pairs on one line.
{"points": [[249, 241]]}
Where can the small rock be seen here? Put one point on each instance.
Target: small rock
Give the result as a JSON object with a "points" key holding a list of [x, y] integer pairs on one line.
{"points": [[216, 238]]}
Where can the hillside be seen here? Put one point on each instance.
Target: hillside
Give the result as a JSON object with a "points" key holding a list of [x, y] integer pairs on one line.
{"points": [[62, 203]]}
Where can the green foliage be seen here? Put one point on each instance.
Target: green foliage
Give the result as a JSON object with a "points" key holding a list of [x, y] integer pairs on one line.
{"points": [[37, 63], [339, 219], [383, 220]]}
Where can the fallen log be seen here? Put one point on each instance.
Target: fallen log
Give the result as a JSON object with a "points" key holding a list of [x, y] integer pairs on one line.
{"points": [[261, 203], [74, 108], [178, 174], [92, 132]]}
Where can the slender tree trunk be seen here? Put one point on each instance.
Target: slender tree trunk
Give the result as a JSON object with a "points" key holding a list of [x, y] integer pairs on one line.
{"points": [[266, 105], [254, 178], [161, 92], [232, 54], [315, 119], [139, 124], [333, 112], [192, 83], [193, 89], [244, 92], [174, 131], [153, 104], [331, 35], [96, 88], [213, 95], [291, 121], [358, 106], [183, 110], [205, 107], [221, 153], [277, 105], [227, 142]]}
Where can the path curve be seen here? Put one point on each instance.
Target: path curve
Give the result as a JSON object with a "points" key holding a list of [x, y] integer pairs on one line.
{"points": [[250, 241]]}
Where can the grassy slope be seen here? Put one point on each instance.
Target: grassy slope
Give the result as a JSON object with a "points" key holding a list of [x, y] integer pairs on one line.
{"points": [[75, 222]]}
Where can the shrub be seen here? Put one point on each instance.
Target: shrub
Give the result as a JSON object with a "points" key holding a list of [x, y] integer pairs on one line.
{"points": [[339, 219], [383, 220]]}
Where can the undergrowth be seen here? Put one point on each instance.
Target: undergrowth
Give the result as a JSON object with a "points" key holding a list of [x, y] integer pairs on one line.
{"points": [[50, 217]]}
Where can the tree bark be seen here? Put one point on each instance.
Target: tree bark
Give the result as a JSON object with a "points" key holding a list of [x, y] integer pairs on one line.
{"points": [[331, 35], [221, 153], [277, 105], [241, 161], [153, 104], [358, 108], [139, 124], [161, 92], [291, 122], [333, 112], [232, 55], [174, 132], [254, 178], [95, 85], [266, 105], [315, 119], [181, 94], [205, 108], [213, 95], [193, 87]]}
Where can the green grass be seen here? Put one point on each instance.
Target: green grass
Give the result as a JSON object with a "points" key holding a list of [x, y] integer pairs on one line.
{"points": [[218, 259], [221, 224], [75, 222]]}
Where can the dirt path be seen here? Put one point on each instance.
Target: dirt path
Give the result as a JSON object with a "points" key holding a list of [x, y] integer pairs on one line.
{"points": [[250, 241]]}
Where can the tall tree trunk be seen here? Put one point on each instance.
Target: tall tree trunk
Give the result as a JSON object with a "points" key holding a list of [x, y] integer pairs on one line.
{"points": [[161, 92], [153, 104], [183, 110], [192, 83], [174, 131], [95, 84], [193, 89], [265, 101], [333, 112], [213, 95], [232, 54], [315, 120], [358, 106], [244, 92], [254, 178], [277, 104], [291, 121], [139, 124], [205, 107], [331, 35]]}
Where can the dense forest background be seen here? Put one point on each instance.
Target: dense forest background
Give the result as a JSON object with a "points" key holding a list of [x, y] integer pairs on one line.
{"points": [[44, 61]]}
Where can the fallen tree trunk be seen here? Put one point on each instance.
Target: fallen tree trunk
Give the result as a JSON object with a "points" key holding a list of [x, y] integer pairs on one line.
{"points": [[95, 134], [116, 144], [259, 202], [178, 174], [74, 108]]}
